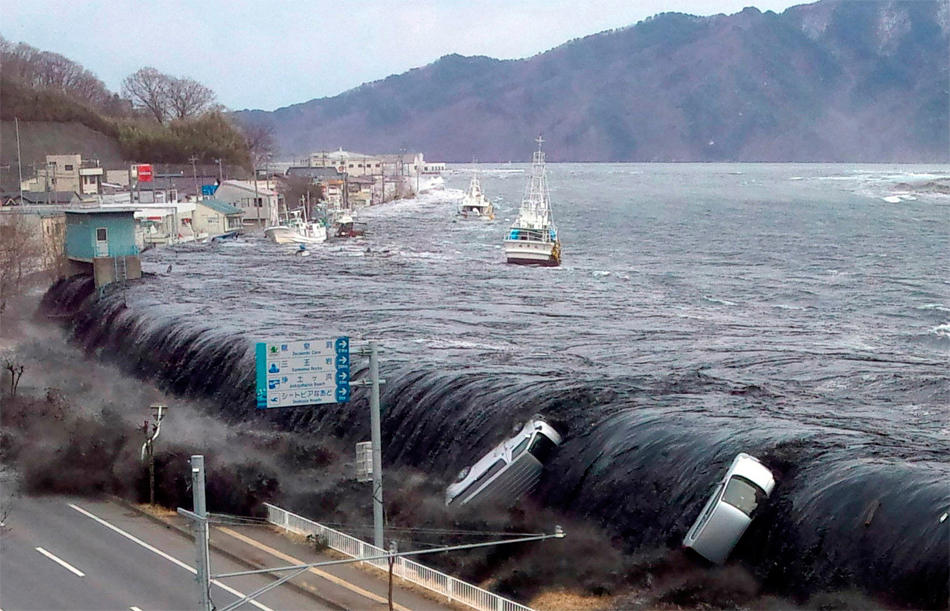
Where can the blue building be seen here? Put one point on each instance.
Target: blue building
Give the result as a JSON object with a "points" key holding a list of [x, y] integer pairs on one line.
{"points": [[101, 242]]}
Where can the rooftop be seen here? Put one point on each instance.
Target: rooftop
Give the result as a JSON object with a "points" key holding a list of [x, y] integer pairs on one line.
{"points": [[219, 206]]}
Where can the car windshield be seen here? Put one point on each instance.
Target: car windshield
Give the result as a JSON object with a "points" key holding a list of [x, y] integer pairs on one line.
{"points": [[743, 495], [542, 448]]}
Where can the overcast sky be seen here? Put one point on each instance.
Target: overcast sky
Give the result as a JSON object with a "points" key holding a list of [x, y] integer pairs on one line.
{"points": [[268, 54]]}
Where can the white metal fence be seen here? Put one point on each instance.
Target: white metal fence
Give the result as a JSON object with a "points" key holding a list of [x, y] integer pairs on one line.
{"points": [[440, 583]]}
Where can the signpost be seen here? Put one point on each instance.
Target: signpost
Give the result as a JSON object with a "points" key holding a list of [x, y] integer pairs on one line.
{"points": [[318, 371], [303, 373]]}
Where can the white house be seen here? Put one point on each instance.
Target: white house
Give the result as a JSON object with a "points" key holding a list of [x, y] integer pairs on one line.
{"points": [[214, 217], [258, 203]]}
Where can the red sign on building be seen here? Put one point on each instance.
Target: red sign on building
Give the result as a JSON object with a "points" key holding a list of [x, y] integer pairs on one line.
{"points": [[144, 172]]}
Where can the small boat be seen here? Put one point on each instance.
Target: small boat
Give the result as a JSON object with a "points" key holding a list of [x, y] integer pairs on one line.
{"points": [[294, 228], [346, 227], [475, 205], [533, 239]]}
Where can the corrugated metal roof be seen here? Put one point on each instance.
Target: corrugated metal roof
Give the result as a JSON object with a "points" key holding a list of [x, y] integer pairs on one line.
{"points": [[219, 206]]}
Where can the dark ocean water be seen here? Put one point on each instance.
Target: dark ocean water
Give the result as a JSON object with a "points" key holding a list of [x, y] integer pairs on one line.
{"points": [[788, 311]]}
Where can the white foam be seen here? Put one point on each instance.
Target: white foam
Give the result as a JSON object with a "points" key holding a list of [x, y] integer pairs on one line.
{"points": [[939, 307], [719, 301], [943, 329]]}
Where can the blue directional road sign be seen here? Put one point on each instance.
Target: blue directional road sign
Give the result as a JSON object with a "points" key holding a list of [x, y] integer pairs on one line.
{"points": [[303, 373]]}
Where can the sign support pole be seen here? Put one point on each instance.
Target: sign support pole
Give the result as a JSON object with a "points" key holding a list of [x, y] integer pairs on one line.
{"points": [[203, 577], [377, 443]]}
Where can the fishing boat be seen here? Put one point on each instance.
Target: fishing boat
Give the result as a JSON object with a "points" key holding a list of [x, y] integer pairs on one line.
{"points": [[475, 205], [294, 228], [532, 239], [346, 227]]}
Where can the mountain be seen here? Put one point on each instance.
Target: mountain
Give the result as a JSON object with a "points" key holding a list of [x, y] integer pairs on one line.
{"points": [[838, 80]]}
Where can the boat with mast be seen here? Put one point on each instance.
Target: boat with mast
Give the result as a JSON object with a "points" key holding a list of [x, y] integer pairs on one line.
{"points": [[294, 228], [475, 205], [533, 239]]}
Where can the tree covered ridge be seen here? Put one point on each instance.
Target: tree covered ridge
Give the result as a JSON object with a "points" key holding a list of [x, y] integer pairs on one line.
{"points": [[178, 120]]}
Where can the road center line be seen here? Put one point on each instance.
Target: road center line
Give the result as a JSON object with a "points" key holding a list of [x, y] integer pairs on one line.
{"points": [[61, 562], [134, 609], [168, 557]]}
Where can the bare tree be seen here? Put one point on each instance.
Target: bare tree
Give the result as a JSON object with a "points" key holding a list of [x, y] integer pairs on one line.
{"points": [[21, 253], [188, 98], [148, 89], [46, 70], [260, 139]]}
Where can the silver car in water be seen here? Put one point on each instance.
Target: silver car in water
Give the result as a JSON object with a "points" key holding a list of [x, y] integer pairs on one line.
{"points": [[511, 470], [727, 514]]}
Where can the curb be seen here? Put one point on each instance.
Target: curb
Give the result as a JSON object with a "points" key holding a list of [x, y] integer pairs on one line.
{"points": [[186, 533]]}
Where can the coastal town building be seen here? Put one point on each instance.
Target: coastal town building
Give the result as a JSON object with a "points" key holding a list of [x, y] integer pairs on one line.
{"points": [[67, 173], [101, 242], [259, 204], [214, 218]]}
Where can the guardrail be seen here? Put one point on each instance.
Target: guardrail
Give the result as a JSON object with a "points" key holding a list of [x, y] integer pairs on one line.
{"points": [[444, 585]]}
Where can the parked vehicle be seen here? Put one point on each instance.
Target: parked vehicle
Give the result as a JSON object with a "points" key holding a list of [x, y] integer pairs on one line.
{"points": [[730, 509], [510, 470]]}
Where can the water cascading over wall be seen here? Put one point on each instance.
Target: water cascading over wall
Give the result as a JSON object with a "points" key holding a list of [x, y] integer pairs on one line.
{"points": [[843, 515]]}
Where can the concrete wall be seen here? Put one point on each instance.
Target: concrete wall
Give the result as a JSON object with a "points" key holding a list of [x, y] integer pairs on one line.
{"points": [[104, 269]]}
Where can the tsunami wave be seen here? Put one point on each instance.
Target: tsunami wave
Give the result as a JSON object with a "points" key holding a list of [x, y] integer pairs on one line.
{"points": [[639, 457]]}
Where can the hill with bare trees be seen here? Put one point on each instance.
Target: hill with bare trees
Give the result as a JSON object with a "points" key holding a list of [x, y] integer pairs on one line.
{"points": [[63, 108]]}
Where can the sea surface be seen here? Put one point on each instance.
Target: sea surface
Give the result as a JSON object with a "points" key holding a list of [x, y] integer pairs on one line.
{"points": [[788, 311]]}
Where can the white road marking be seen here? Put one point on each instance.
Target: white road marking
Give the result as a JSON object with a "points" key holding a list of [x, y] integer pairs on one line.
{"points": [[61, 562], [171, 559], [134, 609]]}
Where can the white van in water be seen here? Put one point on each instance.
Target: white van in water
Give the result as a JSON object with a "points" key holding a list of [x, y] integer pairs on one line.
{"points": [[727, 514], [510, 470]]}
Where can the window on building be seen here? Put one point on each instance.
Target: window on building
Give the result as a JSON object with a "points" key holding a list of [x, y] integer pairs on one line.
{"points": [[69, 167], [101, 234], [259, 202]]}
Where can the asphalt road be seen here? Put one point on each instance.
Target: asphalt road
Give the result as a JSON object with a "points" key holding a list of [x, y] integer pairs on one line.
{"points": [[67, 554]]}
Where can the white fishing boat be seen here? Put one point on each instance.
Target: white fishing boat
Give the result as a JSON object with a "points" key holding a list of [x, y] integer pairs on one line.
{"points": [[294, 228], [533, 239], [475, 205]]}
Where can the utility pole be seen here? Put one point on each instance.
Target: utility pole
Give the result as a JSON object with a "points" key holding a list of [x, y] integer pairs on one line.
{"points": [[158, 412], [220, 171], [194, 172], [258, 204], [19, 161]]}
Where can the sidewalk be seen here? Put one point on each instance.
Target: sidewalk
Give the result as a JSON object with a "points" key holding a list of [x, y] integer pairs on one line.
{"points": [[351, 586]]}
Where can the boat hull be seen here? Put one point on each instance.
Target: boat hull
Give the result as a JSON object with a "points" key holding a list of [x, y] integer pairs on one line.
{"points": [[532, 252], [286, 235], [485, 213]]}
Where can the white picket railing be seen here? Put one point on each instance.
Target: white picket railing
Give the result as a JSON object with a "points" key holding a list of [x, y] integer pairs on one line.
{"points": [[440, 583]]}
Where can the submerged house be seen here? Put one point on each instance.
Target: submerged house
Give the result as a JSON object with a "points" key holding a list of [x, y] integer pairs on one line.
{"points": [[258, 203], [214, 217]]}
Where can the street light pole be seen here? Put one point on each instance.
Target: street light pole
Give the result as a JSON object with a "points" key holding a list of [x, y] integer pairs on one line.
{"points": [[158, 412]]}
